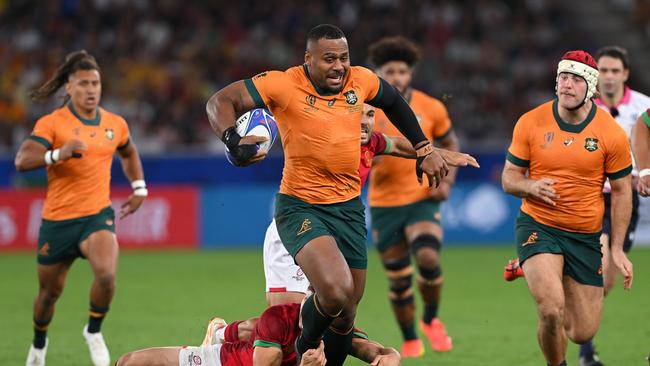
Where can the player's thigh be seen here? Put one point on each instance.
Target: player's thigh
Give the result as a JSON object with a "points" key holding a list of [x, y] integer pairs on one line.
{"points": [[395, 252], [388, 226], [583, 309], [159, 356], [285, 280], [325, 267], [286, 297], [51, 277], [423, 218], [102, 250], [544, 278]]}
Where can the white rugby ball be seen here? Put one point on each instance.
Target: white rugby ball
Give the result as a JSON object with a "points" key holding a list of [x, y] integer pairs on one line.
{"points": [[256, 122]]}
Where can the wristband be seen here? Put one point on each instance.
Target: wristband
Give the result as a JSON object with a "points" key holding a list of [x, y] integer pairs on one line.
{"points": [[424, 150], [231, 138], [138, 183], [644, 172], [141, 191], [52, 156]]}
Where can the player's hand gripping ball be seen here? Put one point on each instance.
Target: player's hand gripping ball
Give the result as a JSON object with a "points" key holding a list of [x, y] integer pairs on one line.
{"points": [[256, 122]]}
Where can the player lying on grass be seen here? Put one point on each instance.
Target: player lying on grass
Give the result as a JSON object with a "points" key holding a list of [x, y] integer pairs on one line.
{"points": [[285, 281], [264, 341]]}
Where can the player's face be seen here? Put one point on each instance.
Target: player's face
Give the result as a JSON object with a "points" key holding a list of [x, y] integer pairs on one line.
{"points": [[571, 90], [397, 74], [611, 75], [85, 89], [328, 61], [367, 123]]}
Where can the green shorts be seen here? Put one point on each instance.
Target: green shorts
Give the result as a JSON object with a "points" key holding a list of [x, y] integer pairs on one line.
{"points": [[60, 240], [582, 252], [388, 223], [299, 222]]}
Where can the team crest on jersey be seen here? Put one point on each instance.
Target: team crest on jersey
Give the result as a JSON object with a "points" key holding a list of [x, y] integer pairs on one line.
{"points": [[591, 144], [109, 133], [350, 97]]}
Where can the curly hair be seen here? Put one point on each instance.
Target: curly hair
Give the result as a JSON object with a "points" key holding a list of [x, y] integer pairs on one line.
{"points": [[79, 60], [393, 49]]}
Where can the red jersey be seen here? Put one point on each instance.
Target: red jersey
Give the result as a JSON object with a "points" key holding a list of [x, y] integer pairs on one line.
{"points": [[277, 327], [379, 144]]}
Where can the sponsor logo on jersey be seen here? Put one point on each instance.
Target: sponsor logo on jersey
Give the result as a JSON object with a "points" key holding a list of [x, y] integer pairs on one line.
{"points": [[331, 103], [591, 144], [310, 99], [305, 227], [568, 141], [350, 97]]}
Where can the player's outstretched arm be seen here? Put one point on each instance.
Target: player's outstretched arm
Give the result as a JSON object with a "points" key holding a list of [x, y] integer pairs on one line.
{"points": [[641, 149], [374, 353], [401, 147], [223, 108], [132, 167], [401, 115], [33, 155], [267, 356], [515, 182], [621, 213]]}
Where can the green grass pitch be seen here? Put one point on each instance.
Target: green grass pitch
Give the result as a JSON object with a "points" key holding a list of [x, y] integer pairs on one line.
{"points": [[166, 299]]}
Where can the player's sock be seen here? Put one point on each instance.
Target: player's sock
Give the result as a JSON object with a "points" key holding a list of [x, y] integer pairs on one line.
{"points": [[97, 314], [587, 349], [337, 346], [430, 313], [408, 331], [314, 323], [40, 334]]}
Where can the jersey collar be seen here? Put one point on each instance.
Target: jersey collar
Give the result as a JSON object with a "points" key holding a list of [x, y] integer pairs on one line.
{"points": [[569, 127], [320, 91], [89, 122]]}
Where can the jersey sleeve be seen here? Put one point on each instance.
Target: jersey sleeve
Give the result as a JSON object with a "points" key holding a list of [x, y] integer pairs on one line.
{"points": [[442, 126], [269, 88], [43, 132], [272, 330], [646, 117], [370, 83], [618, 161], [380, 143], [125, 135], [519, 150]]}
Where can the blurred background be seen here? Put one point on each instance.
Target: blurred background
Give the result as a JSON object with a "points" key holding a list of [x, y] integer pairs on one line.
{"points": [[488, 60]]}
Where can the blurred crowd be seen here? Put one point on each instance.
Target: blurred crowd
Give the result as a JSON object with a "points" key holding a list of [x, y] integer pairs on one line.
{"points": [[488, 60]]}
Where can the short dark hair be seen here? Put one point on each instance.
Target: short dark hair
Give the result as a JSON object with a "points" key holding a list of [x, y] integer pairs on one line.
{"points": [[394, 49], [326, 31], [614, 52]]}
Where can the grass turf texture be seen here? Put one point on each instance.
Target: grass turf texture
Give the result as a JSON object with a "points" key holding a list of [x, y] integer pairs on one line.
{"points": [[166, 299]]}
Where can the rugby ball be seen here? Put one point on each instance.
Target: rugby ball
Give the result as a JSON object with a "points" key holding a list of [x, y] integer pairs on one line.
{"points": [[256, 122]]}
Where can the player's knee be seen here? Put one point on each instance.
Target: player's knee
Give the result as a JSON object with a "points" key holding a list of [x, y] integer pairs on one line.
{"points": [[426, 248], [334, 295], [431, 276], [552, 314], [48, 296], [106, 280]]}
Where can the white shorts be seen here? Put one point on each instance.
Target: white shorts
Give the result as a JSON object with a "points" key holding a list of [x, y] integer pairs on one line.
{"points": [[200, 356], [281, 272]]}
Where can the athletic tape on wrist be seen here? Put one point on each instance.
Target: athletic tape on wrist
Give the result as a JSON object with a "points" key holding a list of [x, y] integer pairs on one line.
{"points": [[424, 150], [52, 156], [644, 172]]}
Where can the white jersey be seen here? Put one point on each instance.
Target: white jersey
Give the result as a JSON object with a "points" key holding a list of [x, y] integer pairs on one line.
{"points": [[629, 110]]}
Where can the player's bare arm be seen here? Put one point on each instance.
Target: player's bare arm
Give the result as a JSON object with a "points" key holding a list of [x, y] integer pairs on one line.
{"points": [[132, 167], [515, 182], [621, 212], [441, 193], [223, 108], [267, 356], [32, 155], [374, 353], [641, 149], [401, 147]]}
